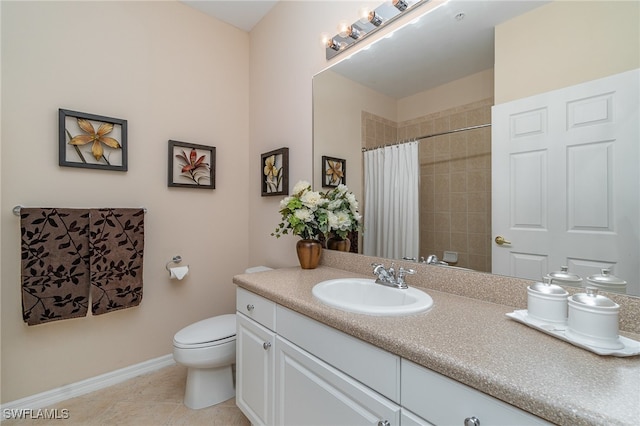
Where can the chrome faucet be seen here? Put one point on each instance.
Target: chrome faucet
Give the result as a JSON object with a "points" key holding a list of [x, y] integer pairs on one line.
{"points": [[430, 260], [433, 260], [391, 277]]}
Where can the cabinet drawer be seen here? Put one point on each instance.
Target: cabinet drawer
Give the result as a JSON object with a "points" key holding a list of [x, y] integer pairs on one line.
{"points": [[256, 307], [372, 366], [443, 401], [407, 418]]}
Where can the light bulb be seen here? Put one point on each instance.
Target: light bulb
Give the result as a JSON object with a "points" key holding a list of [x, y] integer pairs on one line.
{"points": [[363, 14], [324, 38], [343, 29]]}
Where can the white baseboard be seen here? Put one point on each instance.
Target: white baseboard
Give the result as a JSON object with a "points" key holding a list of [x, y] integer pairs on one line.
{"points": [[82, 387]]}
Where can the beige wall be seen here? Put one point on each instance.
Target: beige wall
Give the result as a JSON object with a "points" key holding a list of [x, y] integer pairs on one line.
{"points": [[338, 105], [286, 52], [565, 43], [446, 96], [173, 73]]}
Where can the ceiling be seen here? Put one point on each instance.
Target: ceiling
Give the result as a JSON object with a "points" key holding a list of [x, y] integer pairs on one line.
{"points": [[243, 14]]}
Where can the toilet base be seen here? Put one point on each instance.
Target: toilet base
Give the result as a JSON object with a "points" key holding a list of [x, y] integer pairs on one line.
{"points": [[208, 386]]}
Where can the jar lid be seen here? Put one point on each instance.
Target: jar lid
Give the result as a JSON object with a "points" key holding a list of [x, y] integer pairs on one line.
{"points": [[592, 298], [564, 276], [606, 278], [547, 288]]}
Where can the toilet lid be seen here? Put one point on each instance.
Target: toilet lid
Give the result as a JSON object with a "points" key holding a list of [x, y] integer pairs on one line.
{"points": [[206, 331]]}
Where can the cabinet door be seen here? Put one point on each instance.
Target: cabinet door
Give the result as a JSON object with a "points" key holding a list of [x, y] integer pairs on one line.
{"points": [[311, 392], [254, 371]]}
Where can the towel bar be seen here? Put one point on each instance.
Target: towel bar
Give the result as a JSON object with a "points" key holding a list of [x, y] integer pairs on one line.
{"points": [[16, 210]]}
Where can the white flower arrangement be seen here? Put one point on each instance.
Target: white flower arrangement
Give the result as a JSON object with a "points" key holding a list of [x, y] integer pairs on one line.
{"points": [[309, 214], [342, 211], [303, 213]]}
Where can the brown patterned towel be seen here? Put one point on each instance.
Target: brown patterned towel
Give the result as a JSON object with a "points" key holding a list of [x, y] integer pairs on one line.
{"points": [[116, 241], [55, 264]]}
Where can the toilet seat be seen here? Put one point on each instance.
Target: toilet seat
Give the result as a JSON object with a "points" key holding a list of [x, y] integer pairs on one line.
{"points": [[206, 333]]}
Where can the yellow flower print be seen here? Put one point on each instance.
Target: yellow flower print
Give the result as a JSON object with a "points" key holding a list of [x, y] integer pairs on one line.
{"points": [[95, 137]]}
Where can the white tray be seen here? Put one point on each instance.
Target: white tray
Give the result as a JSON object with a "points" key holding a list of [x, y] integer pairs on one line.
{"points": [[631, 347]]}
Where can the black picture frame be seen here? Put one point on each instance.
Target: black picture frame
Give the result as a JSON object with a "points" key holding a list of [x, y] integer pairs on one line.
{"points": [[274, 172], [94, 135], [334, 171], [191, 165]]}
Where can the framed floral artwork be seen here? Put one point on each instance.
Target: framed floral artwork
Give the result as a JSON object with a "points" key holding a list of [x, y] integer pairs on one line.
{"points": [[192, 165], [275, 172], [91, 141], [334, 172]]}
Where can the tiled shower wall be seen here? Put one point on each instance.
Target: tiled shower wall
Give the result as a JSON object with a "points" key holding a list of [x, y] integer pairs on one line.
{"points": [[455, 179]]}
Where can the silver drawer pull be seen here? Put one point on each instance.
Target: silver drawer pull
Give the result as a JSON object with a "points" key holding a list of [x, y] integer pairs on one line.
{"points": [[250, 307], [266, 345], [472, 421], [384, 423]]}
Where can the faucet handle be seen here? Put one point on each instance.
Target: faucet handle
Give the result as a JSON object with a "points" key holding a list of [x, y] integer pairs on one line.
{"points": [[392, 268], [401, 274], [402, 271]]}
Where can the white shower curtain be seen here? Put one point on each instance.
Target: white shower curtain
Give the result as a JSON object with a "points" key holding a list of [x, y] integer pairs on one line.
{"points": [[391, 201]]}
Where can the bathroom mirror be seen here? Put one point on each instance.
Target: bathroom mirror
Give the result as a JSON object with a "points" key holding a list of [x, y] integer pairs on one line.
{"points": [[455, 42]]}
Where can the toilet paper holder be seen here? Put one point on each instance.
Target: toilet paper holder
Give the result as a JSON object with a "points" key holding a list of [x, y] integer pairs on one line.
{"points": [[175, 260]]}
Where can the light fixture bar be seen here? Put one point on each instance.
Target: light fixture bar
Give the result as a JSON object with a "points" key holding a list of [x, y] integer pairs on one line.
{"points": [[371, 22]]}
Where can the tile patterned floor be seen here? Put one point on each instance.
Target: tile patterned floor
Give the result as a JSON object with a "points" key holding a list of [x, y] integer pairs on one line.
{"points": [[152, 399]]}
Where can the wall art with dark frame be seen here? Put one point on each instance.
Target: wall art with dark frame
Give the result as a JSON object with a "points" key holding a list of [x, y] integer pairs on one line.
{"points": [[191, 165], [275, 172], [334, 172], [91, 141]]}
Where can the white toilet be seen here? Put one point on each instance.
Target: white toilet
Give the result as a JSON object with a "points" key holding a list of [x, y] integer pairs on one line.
{"points": [[208, 349]]}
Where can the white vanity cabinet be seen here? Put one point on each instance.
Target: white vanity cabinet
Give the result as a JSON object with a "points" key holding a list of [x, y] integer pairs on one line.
{"points": [[255, 359], [443, 401], [293, 370]]}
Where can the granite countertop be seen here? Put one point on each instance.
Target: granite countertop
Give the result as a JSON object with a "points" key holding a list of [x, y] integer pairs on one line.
{"points": [[473, 342]]}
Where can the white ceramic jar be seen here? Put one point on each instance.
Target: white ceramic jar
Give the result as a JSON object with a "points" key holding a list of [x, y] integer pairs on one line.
{"points": [[547, 303], [593, 320], [563, 276], [605, 281]]}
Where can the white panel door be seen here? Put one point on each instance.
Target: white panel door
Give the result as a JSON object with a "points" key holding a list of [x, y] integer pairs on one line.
{"points": [[565, 181]]}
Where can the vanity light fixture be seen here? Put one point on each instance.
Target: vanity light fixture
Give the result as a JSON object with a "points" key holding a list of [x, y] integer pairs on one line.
{"points": [[370, 21], [353, 32], [345, 30], [401, 5], [374, 18], [333, 44]]}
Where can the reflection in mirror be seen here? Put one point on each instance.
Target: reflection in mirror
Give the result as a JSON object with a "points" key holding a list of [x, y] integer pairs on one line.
{"points": [[383, 95]]}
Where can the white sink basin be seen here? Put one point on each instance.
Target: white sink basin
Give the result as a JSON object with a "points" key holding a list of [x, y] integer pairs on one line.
{"points": [[364, 296]]}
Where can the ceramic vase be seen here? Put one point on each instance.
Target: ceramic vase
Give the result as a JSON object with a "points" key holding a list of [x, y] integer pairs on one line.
{"points": [[308, 253], [337, 243]]}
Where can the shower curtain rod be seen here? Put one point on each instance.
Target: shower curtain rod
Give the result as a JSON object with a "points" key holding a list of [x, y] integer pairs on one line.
{"points": [[479, 126]]}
